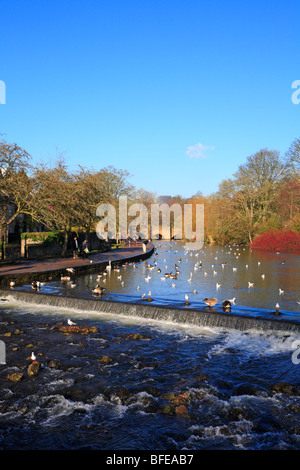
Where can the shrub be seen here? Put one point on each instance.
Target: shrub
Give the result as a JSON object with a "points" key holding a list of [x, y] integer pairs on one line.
{"points": [[277, 240]]}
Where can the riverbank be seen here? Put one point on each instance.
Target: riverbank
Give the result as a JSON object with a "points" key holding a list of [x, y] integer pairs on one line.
{"points": [[29, 270]]}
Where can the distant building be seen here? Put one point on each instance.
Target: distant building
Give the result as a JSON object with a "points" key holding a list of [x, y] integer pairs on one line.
{"points": [[164, 199]]}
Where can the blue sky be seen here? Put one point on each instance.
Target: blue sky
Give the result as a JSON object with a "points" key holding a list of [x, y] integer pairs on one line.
{"points": [[178, 93]]}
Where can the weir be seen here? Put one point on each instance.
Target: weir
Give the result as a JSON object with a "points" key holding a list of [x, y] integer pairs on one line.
{"points": [[147, 310]]}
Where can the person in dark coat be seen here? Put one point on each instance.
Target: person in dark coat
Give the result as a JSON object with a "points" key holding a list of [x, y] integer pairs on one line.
{"points": [[75, 246]]}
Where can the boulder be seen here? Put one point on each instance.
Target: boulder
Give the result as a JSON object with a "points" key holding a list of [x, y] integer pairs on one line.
{"points": [[15, 376], [33, 369]]}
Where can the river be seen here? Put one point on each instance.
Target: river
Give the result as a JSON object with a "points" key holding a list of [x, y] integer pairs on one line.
{"points": [[175, 387]]}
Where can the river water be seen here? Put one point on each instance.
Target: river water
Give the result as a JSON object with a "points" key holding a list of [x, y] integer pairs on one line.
{"points": [[176, 387]]}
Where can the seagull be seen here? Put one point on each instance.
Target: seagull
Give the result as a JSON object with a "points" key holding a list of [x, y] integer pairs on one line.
{"points": [[70, 270], [33, 356], [73, 284], [71, 323], [65, 278], [232, 301], [263, 276], [211, 302], [281, 291], [137, 287], [218, 285], [250, 284], [277, 309], [12, 284], [186, 299]]}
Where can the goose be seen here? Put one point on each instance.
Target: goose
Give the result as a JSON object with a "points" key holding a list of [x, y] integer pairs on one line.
{"points": [[98, 290], [211, 302]]}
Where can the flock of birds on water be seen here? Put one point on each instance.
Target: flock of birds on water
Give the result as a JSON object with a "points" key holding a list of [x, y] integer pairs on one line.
{"points": [[174, 274]]}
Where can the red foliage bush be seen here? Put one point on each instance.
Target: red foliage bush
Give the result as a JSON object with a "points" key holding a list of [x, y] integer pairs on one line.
{"points": [[277, 240]]}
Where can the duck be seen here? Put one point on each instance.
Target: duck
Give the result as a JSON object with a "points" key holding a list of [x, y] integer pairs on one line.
{"points": [[98, 290], [226, 306], [211, 302]]}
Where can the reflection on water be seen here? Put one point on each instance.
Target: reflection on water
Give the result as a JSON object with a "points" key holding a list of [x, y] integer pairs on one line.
{"points": [[214, 271], [240, 389]]}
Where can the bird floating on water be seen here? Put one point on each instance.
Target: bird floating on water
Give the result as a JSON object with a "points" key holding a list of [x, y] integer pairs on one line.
{"points": [[211, 302], [277, 312], [98, 290], [226, 305]]}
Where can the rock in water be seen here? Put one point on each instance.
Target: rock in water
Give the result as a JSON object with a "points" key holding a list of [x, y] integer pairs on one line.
{"points": [[33, 369]]}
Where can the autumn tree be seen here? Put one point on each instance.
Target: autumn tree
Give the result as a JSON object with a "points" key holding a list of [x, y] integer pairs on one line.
{"points": [[254, 189], [293, 158]]}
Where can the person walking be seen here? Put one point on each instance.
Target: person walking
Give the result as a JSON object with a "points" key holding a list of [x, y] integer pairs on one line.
{"points": [[75, 246]]}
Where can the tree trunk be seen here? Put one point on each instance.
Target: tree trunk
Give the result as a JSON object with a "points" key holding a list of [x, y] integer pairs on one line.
{"points": [[65, 244]]}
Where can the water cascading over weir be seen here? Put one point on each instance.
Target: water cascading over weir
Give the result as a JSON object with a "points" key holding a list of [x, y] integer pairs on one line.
{"points": [[240, 320]]}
